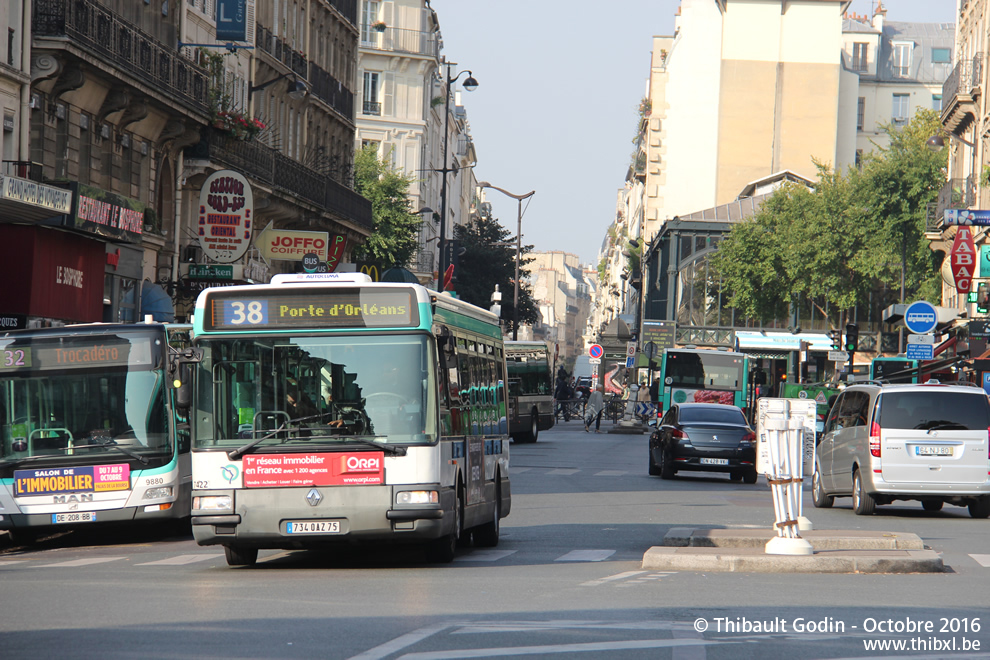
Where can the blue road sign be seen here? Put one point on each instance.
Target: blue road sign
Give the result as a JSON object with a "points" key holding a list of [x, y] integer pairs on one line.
{"points": [[921, 317], [920, 352], [232, 20], [630, 362]]}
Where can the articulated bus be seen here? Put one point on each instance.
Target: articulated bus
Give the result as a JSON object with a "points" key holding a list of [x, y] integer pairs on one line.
{"points": [[529, 366], [333, 410], [703, 376], [92, 433]]}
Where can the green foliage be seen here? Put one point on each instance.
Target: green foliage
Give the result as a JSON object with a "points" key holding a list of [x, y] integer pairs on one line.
{"points": [[841, 243], [394, 240], [488, 261]]}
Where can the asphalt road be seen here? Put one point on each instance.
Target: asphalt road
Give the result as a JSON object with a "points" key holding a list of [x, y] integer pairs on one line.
{"points": [[565, 581]]}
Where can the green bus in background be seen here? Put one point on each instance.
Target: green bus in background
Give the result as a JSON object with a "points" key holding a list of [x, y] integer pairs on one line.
{"points": [[820, 392]]}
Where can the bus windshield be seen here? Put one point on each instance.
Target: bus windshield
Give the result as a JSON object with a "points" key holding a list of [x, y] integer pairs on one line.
{"points": [[708, 370], [268, 391], [529, 371], [82, 396]]}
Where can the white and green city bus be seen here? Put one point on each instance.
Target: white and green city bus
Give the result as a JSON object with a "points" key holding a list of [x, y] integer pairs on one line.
{"points": [[529, 367], [93, 432], [333, 410]]}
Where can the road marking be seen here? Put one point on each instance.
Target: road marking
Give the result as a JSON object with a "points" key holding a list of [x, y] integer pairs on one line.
{"points": [[181, 560], [11, 563], [688, 652], [485, 555], [591, 647], [611, 473], [586, 555], [517, 470], [401, 642], [982, 560], [611, 578], [83, 562], [564, 472]]}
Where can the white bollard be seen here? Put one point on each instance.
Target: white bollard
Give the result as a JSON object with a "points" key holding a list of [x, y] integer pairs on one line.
{"points": [[784, 440]]}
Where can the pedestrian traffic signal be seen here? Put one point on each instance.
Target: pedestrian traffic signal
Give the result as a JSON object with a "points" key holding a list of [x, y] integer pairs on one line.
{"points": [[852, 337], [836, 337], [983, 298]]}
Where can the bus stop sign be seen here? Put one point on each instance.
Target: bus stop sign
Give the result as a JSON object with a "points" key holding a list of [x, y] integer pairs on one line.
{"points": [[921, 317]]}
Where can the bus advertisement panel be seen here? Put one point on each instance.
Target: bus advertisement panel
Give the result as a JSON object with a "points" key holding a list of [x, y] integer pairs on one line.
{"points": [[334, 410], [91, 430], [704, 376]]}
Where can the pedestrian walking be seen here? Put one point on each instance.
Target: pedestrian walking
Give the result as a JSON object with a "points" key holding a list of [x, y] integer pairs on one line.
{"points": [[593, 410]]}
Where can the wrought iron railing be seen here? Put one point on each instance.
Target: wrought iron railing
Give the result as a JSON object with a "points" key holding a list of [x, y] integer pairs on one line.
{"points": [[401, 40], [371, 108], [701, 336], [120, 44], [347, 9], [267, 42], [967, 75], [332, 92], [271, 167], [955, 194]]}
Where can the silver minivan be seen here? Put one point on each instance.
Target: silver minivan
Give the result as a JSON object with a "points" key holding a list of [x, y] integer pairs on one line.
{"points": [[926, 442]]}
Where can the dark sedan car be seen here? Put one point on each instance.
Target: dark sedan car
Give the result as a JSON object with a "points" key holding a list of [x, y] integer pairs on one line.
{"points": [[708, 437]]}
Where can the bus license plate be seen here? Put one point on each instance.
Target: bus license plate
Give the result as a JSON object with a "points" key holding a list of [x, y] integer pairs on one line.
{"points": [[318, 527], [714, 461], [81, 516], [933, 451]]}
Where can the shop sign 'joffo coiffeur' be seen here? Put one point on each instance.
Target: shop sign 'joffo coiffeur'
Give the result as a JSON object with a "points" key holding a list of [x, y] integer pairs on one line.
{"points": [[226, 211]]}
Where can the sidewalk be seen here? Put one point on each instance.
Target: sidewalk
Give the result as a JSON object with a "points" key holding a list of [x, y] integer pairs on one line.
{"points": [[835, 551]]}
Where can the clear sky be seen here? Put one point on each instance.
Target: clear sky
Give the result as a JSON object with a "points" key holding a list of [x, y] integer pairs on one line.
{"points": [[556, 107]]}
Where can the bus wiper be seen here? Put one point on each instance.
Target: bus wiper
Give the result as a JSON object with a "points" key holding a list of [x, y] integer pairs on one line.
{"points": [[393, 450], [116, 445], [235, 454]]}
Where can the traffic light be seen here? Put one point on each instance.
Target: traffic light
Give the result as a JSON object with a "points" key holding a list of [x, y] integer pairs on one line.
{"points": [[852, 337], [983, 298], [836, 337]]}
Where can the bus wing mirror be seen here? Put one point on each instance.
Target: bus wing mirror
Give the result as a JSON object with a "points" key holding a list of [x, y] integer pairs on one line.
{"points": [[182, 371]]}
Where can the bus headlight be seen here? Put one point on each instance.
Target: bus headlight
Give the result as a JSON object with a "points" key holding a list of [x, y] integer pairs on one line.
{"points": [[417, 497], [158, 493], [212, 503]]}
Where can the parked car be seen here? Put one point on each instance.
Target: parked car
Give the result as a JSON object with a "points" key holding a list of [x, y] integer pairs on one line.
{"points": [[925, 442], [708, 437]]}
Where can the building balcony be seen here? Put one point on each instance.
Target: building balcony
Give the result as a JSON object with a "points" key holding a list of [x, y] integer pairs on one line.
{"points": [[332, 92], [955, 194], [267, 42], [401, 40], [371, 108], [961, 93], [99, 32], [282, 173]]}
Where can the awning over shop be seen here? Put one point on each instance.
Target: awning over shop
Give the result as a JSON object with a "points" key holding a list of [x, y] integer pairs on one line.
{"points": [[782, 341], [156, 303]]}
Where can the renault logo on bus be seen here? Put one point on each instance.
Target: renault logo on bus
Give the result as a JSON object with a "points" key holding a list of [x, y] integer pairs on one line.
{"points": [[361, 463]]}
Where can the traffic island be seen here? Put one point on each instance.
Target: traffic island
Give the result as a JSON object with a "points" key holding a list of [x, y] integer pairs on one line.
{"points": [[742, 551]]}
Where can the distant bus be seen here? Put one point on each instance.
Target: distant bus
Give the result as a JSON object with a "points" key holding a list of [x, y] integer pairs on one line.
{"points": [[700, 375], [529, 367], [92, 433], [819, 392], [894, 370], [333, 410]]}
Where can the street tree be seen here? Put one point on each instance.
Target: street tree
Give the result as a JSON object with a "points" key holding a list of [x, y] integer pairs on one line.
{"points": [[395, 238], [489, 258], [839, 245]]}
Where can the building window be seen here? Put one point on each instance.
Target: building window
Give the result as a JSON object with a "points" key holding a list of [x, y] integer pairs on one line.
{"points": [[941, 55], [860, 113], [902, 59], [937, 102], [899, 110], [11, 36], [859, 56], [859, 159], [372, 106], [369, 15]]}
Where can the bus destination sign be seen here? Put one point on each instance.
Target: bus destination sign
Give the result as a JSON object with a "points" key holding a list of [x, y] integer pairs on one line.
{"points": [[316, 308], [68, 355]]}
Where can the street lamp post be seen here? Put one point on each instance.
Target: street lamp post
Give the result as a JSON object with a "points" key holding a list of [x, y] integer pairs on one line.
{"points": [[470, 84], [515, 289]]}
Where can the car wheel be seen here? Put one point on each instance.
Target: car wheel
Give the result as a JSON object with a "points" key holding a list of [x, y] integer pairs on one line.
{"points": [[534, 426], [863, 503], [818, 496], [932, 505], [666, 465], [240, 556], [980, 507], [751, 477]]}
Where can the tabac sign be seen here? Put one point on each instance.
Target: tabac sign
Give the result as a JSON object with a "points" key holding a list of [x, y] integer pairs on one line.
{"points": [[963, 259], [226, 210]]}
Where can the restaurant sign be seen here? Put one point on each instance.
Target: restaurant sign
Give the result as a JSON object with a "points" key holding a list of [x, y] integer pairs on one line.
{"points": [[107, 214]]}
